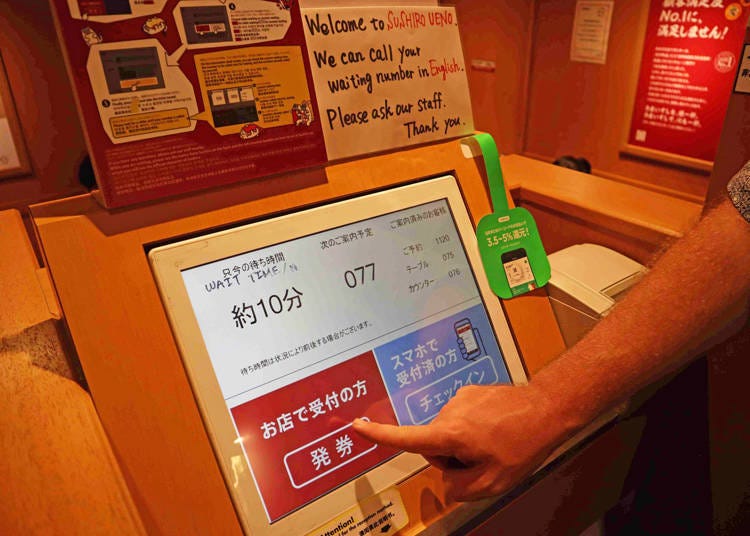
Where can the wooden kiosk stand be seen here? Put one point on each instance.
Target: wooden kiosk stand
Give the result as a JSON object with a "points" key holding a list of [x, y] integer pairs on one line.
{"points": [[98, 262]]}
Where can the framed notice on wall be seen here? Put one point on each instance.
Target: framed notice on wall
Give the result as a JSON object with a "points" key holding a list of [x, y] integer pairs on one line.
{"points": [[690, 58], [13, 158]]}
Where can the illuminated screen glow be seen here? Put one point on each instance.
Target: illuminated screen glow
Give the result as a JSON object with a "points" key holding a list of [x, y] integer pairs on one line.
{"points": [[380, 319]]}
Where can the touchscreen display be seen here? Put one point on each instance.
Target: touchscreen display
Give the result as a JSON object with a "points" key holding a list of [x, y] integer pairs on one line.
{"points": [[379, 319]]}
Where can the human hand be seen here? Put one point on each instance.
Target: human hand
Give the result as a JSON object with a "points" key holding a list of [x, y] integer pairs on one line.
{"points": [[485, 440]]}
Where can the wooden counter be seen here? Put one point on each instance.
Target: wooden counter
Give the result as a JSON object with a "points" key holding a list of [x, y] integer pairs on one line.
{"points": [[572, 207], [98, 264]]}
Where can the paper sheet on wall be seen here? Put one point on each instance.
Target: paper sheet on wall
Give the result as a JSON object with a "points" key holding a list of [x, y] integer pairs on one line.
{"points": [[591, 31], [742, 82], [387, 77]]}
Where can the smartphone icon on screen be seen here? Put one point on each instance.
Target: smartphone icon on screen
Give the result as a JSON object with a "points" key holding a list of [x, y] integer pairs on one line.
{"points": [[518, 270], [467, 339]]}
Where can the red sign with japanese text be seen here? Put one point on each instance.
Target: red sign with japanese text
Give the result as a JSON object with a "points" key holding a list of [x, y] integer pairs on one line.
{"points": [[690, 56], [299, 440]]}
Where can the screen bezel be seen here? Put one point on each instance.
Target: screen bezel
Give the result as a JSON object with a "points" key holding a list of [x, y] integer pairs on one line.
{"points": [[170, 260]]}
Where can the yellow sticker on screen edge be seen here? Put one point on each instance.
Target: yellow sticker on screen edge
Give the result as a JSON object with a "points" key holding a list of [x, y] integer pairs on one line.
{"points": [[382, 514]]}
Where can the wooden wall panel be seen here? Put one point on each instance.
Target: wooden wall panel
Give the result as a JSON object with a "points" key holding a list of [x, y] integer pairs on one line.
{"points": [[584, 109], [560, 230], [498, 31], [572, 208], [44, 102]]}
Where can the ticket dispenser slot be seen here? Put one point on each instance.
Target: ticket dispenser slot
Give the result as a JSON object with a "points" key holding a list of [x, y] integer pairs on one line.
{"points": [[587, 281]]}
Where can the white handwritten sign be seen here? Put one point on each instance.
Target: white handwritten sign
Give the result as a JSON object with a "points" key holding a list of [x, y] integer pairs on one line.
{"points": [[387, 77]]}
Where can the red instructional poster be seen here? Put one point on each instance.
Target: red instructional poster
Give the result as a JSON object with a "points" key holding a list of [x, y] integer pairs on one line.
{"points": [[690, 57], [177, 96]]}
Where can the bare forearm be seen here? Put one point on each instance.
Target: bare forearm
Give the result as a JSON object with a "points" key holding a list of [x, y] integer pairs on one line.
{"points": [[641, 341], [645, 336]]}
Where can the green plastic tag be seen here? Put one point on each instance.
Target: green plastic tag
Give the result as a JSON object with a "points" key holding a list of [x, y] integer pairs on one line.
{"points": [[512, 251]]}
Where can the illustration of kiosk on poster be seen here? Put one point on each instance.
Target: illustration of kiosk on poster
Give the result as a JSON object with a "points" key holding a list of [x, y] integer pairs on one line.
{"points": [[139, 96]]}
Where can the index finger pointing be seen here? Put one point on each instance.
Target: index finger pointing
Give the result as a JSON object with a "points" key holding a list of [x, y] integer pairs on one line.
{"points": [[419, 439]]}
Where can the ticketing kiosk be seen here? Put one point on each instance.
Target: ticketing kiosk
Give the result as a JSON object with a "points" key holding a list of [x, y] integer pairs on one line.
{"points": [[230, 337], [291, 327]]}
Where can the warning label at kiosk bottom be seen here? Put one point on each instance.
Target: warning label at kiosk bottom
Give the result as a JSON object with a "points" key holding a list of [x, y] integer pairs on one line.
{"points": [[382, 514]]}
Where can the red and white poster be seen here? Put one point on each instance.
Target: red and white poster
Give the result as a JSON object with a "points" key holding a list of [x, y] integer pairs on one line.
{"points": [[177, 96], [690, 58]]}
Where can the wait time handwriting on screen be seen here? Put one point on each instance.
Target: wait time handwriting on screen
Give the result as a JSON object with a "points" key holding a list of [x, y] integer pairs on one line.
{"points": [[255, 269], [245, 314]]}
